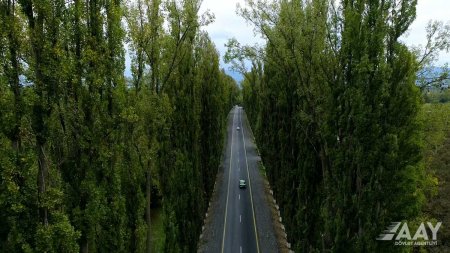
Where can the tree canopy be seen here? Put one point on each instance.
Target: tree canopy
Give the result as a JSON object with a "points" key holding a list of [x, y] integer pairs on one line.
{"points": [[333, 100], [85, 152]]}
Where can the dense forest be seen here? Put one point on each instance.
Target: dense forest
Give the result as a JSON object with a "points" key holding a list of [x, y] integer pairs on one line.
{"points": [[334, 101], [86, 151]]}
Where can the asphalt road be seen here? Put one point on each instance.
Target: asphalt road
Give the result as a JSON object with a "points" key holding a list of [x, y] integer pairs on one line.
{"points": [[239, 233], [239, 220]]}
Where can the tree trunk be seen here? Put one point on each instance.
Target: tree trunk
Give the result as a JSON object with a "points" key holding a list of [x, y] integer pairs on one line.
{"points": [[42, 180], [147, 211], [12, 73]]}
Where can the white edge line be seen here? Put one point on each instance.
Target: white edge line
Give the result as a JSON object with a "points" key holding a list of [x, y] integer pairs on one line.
{"points": [[228, 190], [250, 185]]}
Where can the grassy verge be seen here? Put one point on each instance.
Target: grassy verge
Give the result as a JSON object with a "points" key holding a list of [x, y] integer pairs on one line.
{"points": [[157, 230]]}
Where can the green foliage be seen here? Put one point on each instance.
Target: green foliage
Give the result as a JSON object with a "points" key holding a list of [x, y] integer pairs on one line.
{"points": [[434, 96], [157, 231], [436, 121], [435, 118], [84, 156], [334, 104], [58, 237]]}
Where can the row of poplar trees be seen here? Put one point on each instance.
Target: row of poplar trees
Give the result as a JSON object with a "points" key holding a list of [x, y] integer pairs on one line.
{"points": [[333, 101], [84, 151]]}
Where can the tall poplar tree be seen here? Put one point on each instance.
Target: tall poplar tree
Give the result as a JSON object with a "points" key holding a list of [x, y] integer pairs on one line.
{"points": [[344, 123], [85, 155]]}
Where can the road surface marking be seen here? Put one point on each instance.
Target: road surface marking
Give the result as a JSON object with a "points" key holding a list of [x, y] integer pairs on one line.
{"points": [[250, 185], [228, 190], [240, 249], [239, 196], [240, 218]]}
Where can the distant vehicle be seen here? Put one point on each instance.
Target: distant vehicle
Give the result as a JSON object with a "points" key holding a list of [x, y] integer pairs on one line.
{"points": [[242, 184], [238, 128]]}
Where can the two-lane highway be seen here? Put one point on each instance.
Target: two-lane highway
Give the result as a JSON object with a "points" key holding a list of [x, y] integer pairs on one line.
{"points": [[239, 231], [239, 220]]}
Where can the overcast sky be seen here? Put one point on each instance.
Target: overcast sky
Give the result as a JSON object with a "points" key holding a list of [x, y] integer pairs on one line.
{"points": [[228, 24]]}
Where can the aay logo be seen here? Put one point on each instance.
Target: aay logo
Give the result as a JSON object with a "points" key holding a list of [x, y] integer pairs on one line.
{"points": [[403, 237]]}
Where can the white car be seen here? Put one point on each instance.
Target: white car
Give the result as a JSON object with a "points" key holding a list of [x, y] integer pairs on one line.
{"points": [[238, 128]]}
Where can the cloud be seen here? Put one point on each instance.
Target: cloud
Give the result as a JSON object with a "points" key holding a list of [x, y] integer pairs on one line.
{"points": [[428, 10], [228, 24]]}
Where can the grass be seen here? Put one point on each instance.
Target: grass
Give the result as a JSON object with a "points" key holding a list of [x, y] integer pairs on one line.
{"points": [[157, 230]]}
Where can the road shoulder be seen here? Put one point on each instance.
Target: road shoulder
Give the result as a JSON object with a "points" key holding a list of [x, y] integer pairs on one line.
{"points": [[212, 229], [263, 214]]}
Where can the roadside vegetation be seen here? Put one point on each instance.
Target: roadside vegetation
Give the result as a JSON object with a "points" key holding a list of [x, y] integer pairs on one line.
{"points": [[86, 151], [436, 137]]}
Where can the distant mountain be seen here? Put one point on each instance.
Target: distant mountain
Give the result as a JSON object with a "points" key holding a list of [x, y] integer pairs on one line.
{"points": [[430, 74], [235, 75]]}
